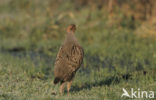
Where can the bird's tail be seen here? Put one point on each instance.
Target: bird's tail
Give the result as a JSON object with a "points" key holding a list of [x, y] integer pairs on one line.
{"points": [[56, 80]]}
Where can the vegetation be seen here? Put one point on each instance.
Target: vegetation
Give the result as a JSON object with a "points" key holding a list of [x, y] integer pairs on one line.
{"points": [[119, 53]]}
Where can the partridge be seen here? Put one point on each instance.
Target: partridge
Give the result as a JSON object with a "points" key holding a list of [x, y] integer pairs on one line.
{"points": [[68, 60]]}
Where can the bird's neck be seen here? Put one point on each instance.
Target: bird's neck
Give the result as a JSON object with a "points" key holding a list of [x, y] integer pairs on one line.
{"points": [[70, 38]]}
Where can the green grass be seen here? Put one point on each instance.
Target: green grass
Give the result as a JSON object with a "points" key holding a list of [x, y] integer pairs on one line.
{"points": [[21, 79], [31, 33]]}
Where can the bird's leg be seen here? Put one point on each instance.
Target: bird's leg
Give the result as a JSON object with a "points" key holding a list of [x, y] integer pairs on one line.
{"points": [[62, 88], [68, 86]]}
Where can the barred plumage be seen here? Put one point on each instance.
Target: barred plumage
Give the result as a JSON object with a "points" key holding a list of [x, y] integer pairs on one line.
{"points": [[68, 60]]}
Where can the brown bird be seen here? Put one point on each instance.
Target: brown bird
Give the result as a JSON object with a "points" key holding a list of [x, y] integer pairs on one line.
{"points": [[68, 60]]}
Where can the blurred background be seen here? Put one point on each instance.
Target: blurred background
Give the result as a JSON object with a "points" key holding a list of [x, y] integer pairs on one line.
{"points": [[119, 35], [107, 29]]}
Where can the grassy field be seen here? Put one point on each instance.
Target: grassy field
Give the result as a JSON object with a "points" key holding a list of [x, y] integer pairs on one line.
{"points": [[31, 33]]}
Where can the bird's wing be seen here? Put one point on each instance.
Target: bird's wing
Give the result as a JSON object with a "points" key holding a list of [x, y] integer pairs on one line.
{"points": [[60, 55], [70, 56], [76, 57]]}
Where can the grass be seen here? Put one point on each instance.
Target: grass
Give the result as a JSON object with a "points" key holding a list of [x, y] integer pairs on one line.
{"points": [[115, 57], [21, 79]]}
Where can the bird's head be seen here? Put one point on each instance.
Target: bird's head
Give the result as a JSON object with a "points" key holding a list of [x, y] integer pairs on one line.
{"points": [[71, 28]]}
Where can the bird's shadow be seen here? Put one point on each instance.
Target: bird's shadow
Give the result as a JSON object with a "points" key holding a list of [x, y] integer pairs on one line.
{"points": [[107, 81]]}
